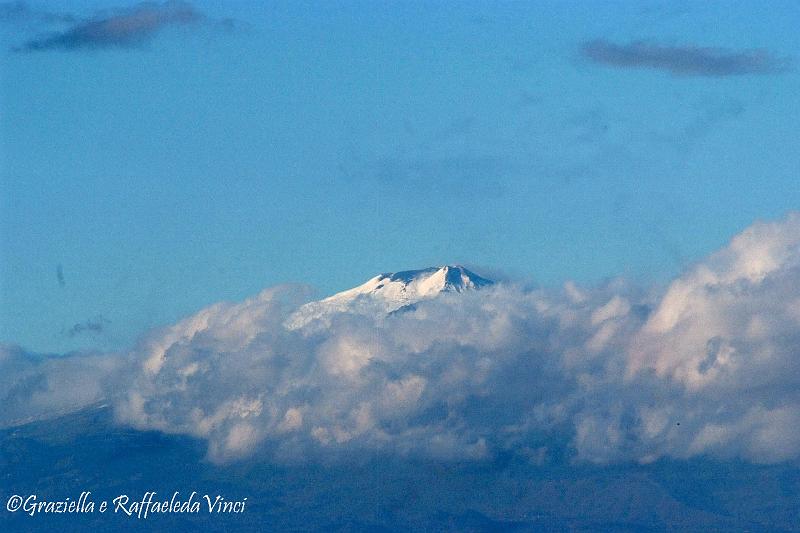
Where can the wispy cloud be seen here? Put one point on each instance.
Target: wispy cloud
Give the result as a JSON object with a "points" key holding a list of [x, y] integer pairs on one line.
{"points": [[120, 28], [683, 60]]}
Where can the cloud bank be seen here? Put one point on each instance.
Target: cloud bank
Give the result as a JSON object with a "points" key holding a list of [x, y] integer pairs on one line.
{"points": [[683, 60], [121, 28], [609, 374], [39, 386]]}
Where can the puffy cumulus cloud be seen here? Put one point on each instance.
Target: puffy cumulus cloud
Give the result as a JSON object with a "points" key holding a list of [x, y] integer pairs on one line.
{"points": [[458, 377], [739, 307], [726, 335], [615, 373]]}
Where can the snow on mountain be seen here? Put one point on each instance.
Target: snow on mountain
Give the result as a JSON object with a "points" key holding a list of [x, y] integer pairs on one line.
{"points": [[390, 292]]}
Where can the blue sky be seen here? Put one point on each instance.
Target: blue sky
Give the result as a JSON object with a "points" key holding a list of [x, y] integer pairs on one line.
{"points": [[324, 143]]}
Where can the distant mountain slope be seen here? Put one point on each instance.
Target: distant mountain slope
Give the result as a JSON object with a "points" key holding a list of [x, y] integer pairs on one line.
{"points": [[87, 450]]}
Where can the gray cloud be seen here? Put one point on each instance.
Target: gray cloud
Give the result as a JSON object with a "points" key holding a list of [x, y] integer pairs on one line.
{"points": [[683, 60], [120, 28]]}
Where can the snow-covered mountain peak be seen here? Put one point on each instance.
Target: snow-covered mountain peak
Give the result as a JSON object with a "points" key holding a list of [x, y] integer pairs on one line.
{"points": [[391, 291], [416, 284]]}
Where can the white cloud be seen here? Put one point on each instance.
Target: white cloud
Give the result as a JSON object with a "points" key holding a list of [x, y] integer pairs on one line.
{"points": [[604, 374]]}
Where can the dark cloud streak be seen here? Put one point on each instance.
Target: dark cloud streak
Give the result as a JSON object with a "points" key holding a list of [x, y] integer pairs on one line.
{"points": [[683, 60], [94, 326], [60, 276], [121, 29]]}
